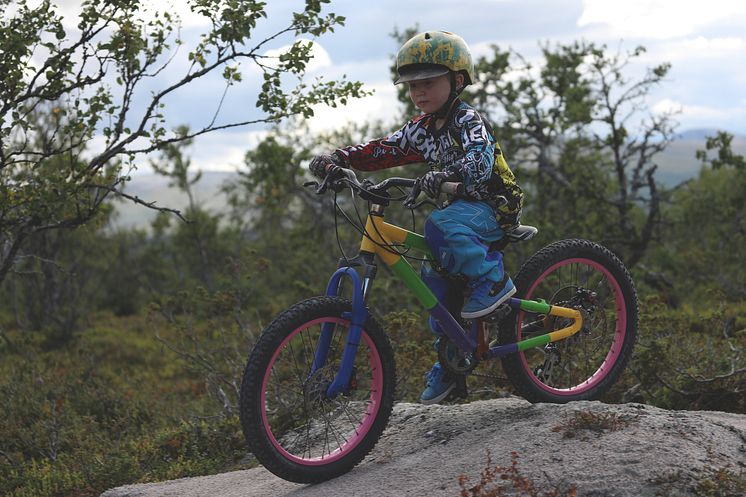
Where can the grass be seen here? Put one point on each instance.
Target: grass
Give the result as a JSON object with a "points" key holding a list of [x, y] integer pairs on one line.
{"points": [[112, 407], [721, 482], [710, 482]]}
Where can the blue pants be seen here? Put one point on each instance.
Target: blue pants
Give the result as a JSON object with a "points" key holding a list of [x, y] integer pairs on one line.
{"points": [[459, 238]]}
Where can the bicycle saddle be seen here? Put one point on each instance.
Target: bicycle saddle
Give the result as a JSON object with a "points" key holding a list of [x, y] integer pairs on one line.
{"points": [[521, 233]]}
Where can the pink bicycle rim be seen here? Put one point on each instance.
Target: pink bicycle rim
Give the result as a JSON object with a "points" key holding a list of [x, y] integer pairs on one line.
{"points": [[619, 332], [368, 417]]}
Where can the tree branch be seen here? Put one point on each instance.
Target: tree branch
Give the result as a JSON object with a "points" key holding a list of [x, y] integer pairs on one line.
{"points": [[139, 201]]}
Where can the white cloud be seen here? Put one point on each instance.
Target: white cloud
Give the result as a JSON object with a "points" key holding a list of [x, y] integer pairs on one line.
{"points": [[667, 105], [687, 50], [225, 150], [698, 116], [709, 45], [658, 19], [320, 58], [379, 106], [216, 151], [70, 10]]}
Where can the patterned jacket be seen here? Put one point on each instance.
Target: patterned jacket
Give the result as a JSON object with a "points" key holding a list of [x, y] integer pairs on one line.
{"points": [[465, 147]]}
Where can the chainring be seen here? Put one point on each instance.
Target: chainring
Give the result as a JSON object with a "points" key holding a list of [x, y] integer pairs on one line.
{"points": [[453, 359]]}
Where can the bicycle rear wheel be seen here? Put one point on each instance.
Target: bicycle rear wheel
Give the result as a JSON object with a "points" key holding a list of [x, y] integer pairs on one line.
{"points": [[588, 277], [289, 423]]}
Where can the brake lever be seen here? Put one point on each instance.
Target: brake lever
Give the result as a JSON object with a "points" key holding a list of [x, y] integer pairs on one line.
{"points": [[332, 181], [329, 181], [320, 188], [410, 201]]}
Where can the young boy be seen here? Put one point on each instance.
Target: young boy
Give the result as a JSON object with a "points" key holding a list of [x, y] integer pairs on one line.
{"points": [[459, 146]]}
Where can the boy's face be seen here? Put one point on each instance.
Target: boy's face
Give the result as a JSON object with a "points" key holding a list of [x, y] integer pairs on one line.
{"points": [[430, 94]]}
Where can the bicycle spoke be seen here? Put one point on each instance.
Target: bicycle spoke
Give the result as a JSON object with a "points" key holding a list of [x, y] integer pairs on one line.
{"points": [[353, 422], [304, 422], [578, 357], [298, 370]]}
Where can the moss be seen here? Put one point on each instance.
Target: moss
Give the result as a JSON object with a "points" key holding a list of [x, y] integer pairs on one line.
{"points": [[721, 482]]}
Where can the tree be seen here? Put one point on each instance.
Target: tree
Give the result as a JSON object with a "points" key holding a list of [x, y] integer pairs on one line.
{"points": [[409, 110], [63, 88], [577, 132], [631, 147], [201, 226], [539, 121], [705, 240]]}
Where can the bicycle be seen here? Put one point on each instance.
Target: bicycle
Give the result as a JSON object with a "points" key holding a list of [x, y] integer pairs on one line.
{"points": [[318, 388]]}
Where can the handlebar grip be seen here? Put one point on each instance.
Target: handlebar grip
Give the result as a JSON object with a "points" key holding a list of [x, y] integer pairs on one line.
{"points": [[452, 188]]}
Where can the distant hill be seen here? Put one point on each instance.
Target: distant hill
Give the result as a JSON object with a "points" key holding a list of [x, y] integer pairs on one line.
{"points": [[677, 164], [152, 187]]}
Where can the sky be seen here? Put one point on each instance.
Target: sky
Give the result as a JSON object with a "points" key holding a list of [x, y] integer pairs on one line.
{"points": [[704, 41]]}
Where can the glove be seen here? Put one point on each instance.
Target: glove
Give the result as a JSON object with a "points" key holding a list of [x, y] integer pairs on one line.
{"points": [[431, 182], [321, 165]]}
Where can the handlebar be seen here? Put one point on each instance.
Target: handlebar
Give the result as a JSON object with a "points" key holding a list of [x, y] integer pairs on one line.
{"points": [[374, 192], [378, 192]]}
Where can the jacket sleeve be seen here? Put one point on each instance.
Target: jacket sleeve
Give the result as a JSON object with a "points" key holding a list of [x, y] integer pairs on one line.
{"points": [[395, 150], [475, 168]]}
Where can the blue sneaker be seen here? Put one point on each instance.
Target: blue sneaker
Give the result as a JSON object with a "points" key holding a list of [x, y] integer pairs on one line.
{"points": [[486, 296], [437, 386]]}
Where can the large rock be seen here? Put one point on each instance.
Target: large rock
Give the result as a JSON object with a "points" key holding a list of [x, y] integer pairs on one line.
{"points": [[602, 450]]}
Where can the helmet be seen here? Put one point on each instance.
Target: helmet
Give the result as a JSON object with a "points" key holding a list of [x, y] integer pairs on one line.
{"points": [[431, 54]]}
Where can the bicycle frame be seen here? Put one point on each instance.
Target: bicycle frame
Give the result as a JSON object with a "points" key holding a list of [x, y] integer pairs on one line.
{"points": [[379, 236]]}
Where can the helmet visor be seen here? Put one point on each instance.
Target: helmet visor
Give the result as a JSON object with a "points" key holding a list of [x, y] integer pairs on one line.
{"points": [[414, 72]]}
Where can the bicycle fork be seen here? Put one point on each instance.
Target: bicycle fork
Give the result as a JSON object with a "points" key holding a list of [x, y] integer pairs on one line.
{"points": [[357, 319]]}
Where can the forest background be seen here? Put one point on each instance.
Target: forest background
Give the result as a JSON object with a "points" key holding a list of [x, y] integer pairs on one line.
{"points": [[121, 348]]}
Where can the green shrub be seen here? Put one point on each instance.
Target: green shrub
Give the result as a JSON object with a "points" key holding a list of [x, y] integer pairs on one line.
{"points": [[687, 358], [114, 406]]}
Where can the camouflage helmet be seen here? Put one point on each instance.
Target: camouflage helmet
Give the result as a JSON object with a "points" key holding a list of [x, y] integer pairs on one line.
{"points": [[431, 54]]}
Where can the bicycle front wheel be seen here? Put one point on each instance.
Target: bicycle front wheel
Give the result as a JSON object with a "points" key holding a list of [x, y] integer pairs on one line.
{"points": [[588, 277], [293, 428]]}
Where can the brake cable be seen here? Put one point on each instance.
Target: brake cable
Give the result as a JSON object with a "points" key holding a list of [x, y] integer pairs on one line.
{"points": [[392, 248]]}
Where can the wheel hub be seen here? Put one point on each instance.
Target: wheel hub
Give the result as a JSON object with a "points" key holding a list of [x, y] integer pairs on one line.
{"points": [[315, 387]]}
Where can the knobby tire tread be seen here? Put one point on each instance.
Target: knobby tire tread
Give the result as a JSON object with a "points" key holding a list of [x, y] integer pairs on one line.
{"points": [[529, 272], [273, 335]]}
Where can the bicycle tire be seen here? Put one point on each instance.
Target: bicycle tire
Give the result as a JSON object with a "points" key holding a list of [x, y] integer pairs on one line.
{"points": [[586, 365], [284, 415]]}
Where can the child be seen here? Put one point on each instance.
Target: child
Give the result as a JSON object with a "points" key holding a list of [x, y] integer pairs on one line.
{"points": [[459, 146]]}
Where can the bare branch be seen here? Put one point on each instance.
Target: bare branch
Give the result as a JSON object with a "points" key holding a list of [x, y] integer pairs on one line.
{"points": [[139, 201]]}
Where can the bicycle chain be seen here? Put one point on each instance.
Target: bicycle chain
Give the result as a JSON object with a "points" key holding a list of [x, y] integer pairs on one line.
{"points": [[490, 376]]}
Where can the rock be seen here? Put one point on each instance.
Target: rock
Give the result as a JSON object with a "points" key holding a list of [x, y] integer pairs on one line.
{"points": [[600, 449]]}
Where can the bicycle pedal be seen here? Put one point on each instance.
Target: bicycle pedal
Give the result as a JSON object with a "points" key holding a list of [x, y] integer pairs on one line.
{"points": [[498, 314]]}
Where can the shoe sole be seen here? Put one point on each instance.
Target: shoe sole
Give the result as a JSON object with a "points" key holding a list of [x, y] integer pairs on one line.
{"points": [[484, 312], [440, 397]]}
